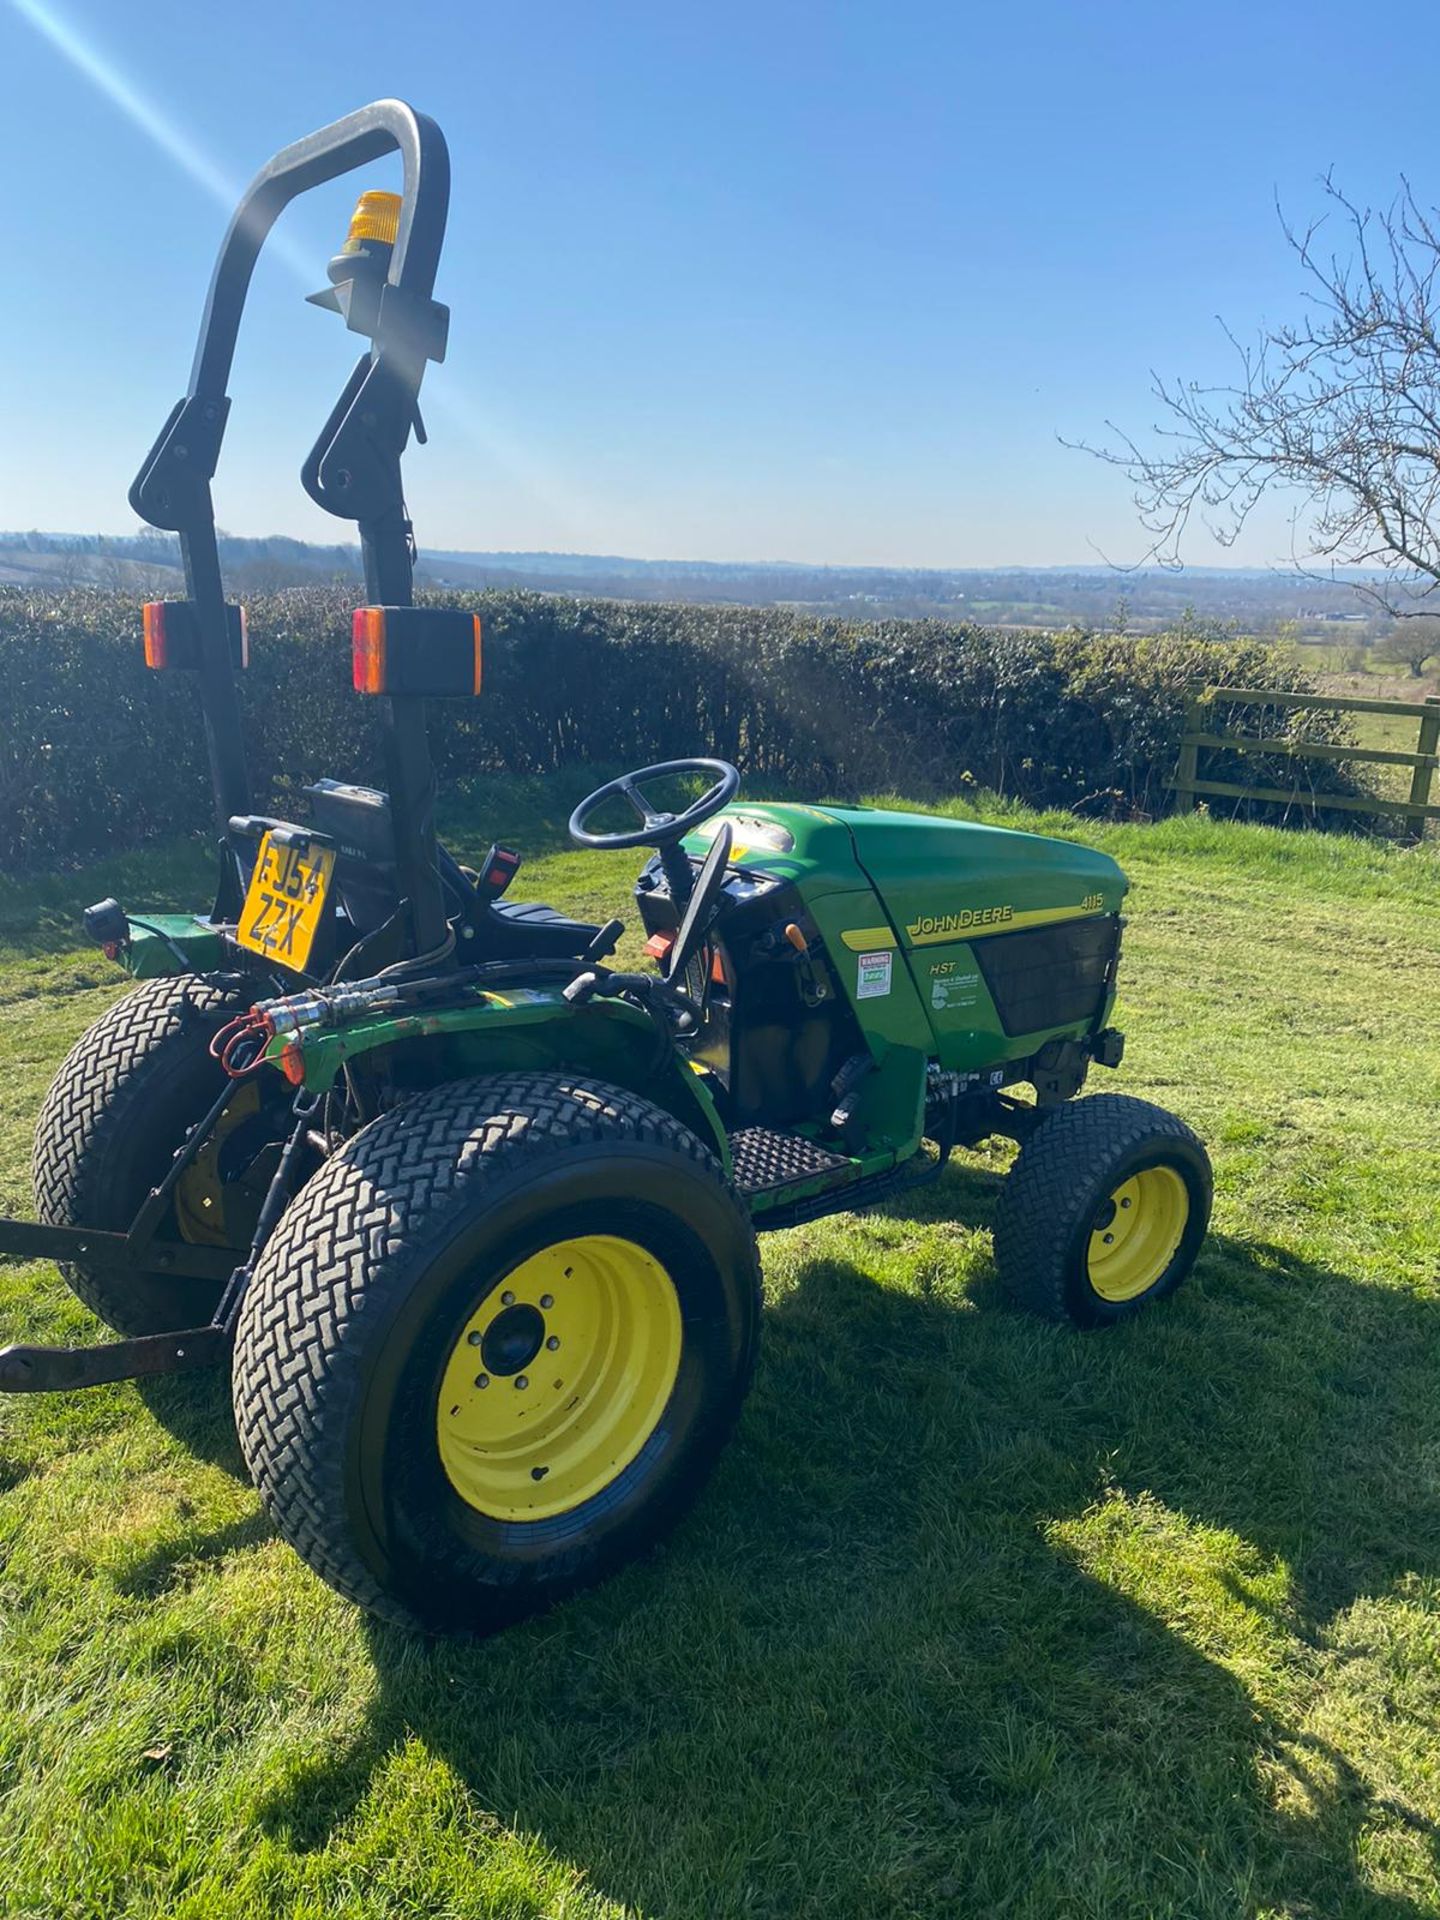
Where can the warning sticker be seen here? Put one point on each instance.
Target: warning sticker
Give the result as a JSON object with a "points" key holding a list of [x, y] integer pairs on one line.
{"points": [[873, 979]]}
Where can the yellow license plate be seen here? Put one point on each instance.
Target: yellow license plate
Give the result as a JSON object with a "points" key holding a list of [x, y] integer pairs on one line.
{"points": [[285, 902]]}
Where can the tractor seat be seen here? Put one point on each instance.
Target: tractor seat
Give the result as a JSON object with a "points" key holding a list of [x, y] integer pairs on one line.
{"points": [[359, 818], [512, 929], [534, 914], [541, 930]]}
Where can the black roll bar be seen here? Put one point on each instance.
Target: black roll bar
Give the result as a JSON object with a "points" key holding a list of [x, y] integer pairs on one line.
{"points": [[353, 470], [386, 126]]}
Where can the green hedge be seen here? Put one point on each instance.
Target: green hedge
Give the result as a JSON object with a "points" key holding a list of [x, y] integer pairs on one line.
{"points": [[96, 753]]}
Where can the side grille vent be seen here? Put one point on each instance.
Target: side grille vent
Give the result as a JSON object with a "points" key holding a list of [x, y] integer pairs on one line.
{"points": [[1050, 976]]}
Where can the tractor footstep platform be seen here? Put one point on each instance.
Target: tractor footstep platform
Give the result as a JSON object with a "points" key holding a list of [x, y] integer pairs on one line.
{"points": [[768, 1162]]}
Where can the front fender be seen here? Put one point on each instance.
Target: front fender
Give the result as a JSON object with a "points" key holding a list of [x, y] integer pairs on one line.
{"points": [[519, 1028]]}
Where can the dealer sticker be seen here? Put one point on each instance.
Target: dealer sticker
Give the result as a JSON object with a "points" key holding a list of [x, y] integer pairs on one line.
{"points": [[873, 979], [952, 989]]}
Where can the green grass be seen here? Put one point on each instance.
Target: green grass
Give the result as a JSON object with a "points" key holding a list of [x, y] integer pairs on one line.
{"points": [[979, 1617]]}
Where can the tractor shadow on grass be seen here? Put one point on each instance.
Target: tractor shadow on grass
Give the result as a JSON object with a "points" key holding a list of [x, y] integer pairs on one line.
{"points": [[195, 1410], [945, 1636]]}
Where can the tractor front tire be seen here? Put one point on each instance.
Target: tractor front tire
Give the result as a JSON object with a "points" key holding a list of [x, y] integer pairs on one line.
{"points": [[129, 1091], [494, 1347], [1104, 1210]]}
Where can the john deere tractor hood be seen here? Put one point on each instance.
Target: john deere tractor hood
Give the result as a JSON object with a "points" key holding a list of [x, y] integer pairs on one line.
{"points": [[938, 880]]}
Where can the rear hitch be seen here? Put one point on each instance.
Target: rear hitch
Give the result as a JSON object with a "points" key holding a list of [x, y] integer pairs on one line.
{"points": [[61, 1369], [29, 1240]]}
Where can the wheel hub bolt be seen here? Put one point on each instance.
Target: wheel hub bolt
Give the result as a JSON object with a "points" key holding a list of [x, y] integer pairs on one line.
{"points": [[474, 1339], [507, 1299], [521, 1381], [1109, 1239], [482, 1379], [1124, 1203], [547, 1299], [553, 1344]]}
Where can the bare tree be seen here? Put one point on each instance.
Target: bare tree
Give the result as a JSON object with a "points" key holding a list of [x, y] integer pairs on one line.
{"points": [[1340, 412], [1410, 644]]}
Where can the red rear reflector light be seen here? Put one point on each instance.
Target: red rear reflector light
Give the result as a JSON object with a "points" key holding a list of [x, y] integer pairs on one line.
{"points": [[172, 635], [155, 650], [434, 651], [367, 636], [292, 1063], [659, 944]]}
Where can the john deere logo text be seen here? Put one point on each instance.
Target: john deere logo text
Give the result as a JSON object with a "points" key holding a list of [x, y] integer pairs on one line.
{"points": [[932, 924]]}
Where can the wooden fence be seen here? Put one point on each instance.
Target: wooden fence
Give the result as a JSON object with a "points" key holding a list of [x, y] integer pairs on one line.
{"points": [[1190, 788]]}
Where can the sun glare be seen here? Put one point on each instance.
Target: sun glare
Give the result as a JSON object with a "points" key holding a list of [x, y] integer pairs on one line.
{"points": [[146, 116], [149, 119]]}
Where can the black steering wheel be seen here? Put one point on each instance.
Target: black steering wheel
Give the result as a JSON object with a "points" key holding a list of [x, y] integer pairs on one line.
{"points": [[656, 829]]}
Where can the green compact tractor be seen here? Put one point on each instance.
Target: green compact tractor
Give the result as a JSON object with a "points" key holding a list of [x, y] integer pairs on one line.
{"points": [[470, 1212]]}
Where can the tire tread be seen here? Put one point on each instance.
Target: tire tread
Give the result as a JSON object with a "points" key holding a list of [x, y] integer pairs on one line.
{"points": [[99, 1095], [297, 1376], [1040, 1199]]}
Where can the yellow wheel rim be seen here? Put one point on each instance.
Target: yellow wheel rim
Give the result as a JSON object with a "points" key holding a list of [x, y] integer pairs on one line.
{"points": [[1137, 1233], [200, 1193], [559, 1378]]}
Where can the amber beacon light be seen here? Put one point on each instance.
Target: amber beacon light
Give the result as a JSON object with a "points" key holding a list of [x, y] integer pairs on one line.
{"points": [[376, 217]]}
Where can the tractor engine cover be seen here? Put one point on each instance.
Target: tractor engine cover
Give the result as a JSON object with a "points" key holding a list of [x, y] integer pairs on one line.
{"points": [[972, 943]]}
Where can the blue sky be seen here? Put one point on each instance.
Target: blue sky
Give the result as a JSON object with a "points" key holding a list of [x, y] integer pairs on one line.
{"points": [[751, 281]]}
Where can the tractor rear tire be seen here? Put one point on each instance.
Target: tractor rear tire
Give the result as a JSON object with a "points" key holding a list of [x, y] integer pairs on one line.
{"points": [[495, 1346], [1104, 1210], [128, 1092]]}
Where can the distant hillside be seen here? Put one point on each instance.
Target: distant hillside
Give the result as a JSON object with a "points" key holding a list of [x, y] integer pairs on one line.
{"points": [[1032, 597]]}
